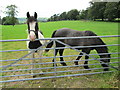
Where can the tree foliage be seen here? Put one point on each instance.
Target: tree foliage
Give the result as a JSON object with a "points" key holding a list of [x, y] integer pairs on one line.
{"points": [[72, 14], [63, 16], [97, 11], [83, 14], [9, 20], [111, 11], [11, 12]]}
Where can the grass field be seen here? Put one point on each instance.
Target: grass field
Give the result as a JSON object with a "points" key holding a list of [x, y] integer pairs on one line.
{"points": [[108, 80], [100, 28]]}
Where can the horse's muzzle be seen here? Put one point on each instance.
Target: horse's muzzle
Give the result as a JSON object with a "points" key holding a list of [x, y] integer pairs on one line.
{"points": [[32, 37]]}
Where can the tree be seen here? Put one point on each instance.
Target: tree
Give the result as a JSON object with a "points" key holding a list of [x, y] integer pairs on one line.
{"points": [[112, 10], [96, 11], [72, 14], [0, 20], [55, 17], [11, 13], [7, 20], [104, 10], [83, 14], [63, 16]]}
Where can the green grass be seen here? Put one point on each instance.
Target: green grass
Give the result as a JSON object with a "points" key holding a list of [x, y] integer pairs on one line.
{"points": [[100, 28], [108, 80]]}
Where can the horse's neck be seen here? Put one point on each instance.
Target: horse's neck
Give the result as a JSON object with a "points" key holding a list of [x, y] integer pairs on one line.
{"points": [[36, 27], [102, 49], [40, 36], [37, 35]]}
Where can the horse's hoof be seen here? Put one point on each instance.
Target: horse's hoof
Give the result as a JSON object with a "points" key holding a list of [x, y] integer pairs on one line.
{"points": [[64, 64], [106, 69], [86, 67], [37, 75], [34, 76], [76, 63]]}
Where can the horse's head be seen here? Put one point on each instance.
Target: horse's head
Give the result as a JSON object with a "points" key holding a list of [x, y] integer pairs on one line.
{"points": [[32, 26]]}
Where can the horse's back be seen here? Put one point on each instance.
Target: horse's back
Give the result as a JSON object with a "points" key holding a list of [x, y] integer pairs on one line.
{"points": [[66, 32]]}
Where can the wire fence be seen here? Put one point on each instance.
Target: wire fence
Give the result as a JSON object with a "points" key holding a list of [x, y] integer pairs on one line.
{"points": [[25, 68]]}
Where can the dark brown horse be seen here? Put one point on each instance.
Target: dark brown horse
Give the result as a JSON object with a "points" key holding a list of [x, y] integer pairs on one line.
{"points": [[65, 32]]}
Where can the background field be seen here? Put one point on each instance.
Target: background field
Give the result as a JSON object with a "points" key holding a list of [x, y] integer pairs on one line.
{"points": [[100, 28], [108, 80]]}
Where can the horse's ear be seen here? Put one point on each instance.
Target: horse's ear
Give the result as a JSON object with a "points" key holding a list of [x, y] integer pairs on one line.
{"points": [[28, 15], [35, 15]]}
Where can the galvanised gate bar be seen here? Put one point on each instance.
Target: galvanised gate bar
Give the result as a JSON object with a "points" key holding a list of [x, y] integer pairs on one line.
{"points": [[20, 69]]}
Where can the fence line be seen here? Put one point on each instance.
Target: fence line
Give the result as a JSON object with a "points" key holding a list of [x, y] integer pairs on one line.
{"points": [[54, 77], [33, 51], [55, 68], [56, 62], [61, 56], [60, 38], [60, 48], [54, 72]]}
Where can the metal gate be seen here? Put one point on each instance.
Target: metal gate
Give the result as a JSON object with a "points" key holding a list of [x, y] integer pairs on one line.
{"points": [[20, 69]]}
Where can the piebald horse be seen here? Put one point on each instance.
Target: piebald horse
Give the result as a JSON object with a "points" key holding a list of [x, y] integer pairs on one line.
{"points": [[33, 34]]}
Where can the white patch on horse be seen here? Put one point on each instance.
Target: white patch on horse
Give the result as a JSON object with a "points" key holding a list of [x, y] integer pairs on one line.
{"points": [[27, 38], [32, 36], [40, 36], [32, 25]]}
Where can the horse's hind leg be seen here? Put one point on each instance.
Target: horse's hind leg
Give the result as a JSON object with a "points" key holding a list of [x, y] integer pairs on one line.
{"points": [[76, 62], [86, 62], [105, 63], [87, 51], [61, 58], [55, 53]]}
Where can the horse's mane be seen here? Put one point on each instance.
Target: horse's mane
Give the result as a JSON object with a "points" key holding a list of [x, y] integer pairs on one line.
{"points": [[41, 32]]}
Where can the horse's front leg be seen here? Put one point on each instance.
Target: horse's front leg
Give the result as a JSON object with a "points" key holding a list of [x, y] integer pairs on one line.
{"points": [[105, 62], [86, 62], [40, 54], [61, 58], [87, 51], [32, 62], [76, 62]]}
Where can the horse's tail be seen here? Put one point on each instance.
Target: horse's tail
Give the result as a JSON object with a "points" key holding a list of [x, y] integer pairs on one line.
{"points": [[51, 43], [53, 35]]}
